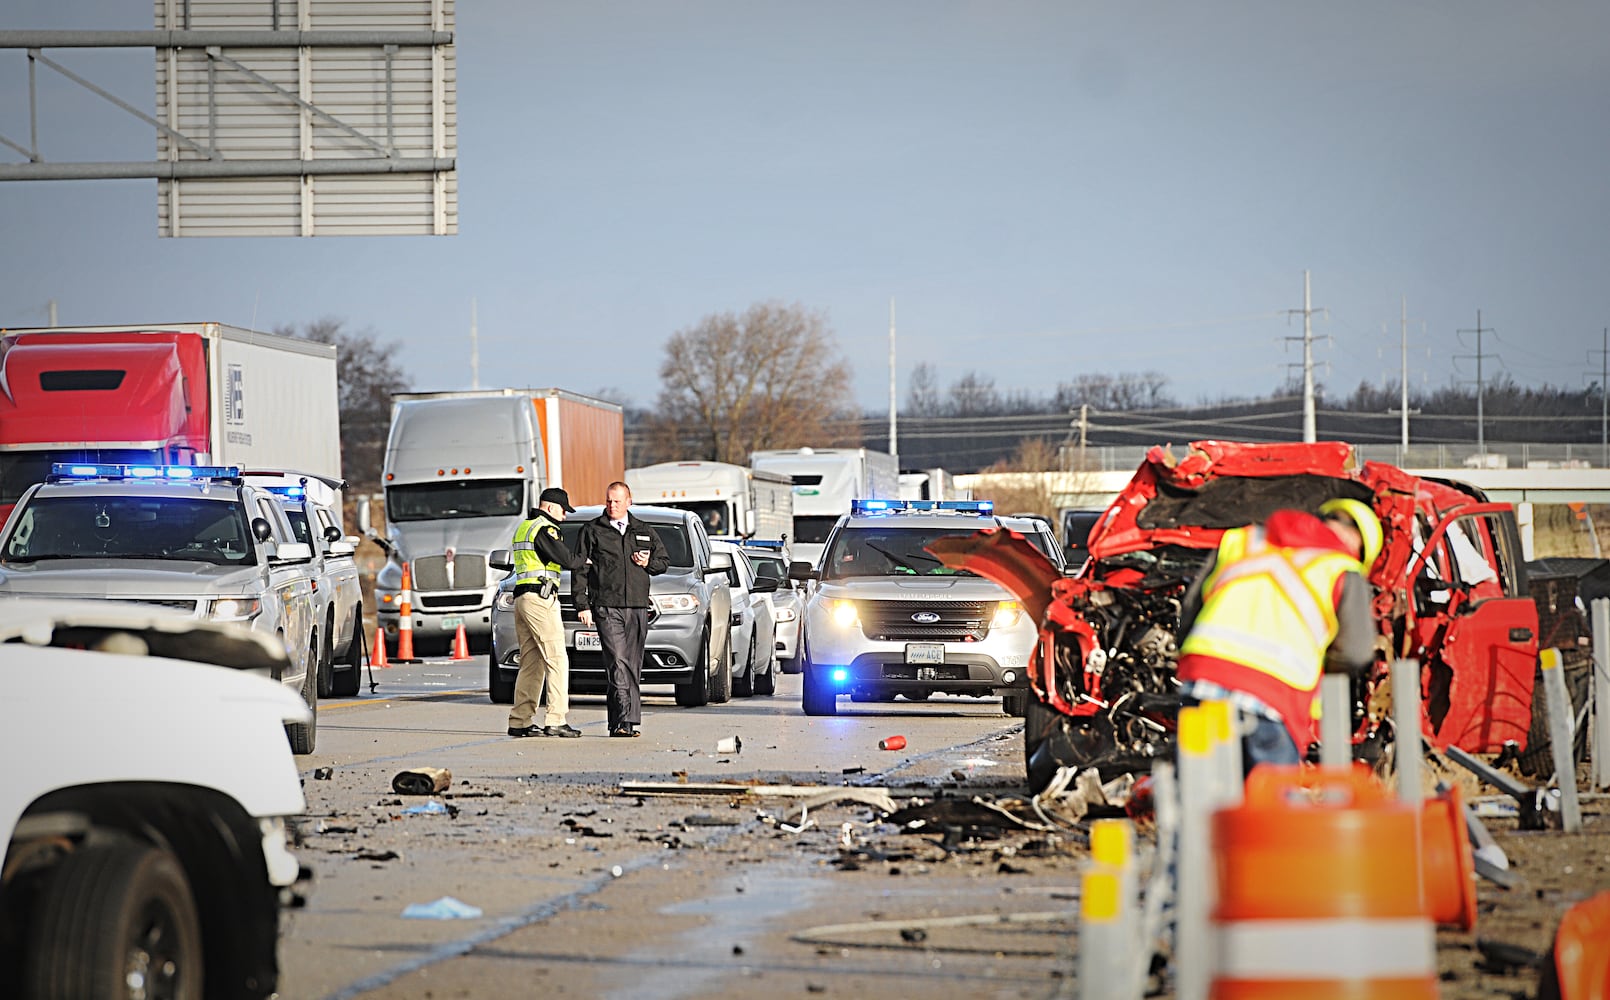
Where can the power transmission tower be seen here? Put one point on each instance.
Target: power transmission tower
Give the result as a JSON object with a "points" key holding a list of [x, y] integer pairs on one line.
{"points": [[1481, 430], [1310, 431]]}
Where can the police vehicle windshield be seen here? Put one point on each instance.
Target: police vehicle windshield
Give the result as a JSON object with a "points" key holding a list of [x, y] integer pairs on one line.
{"points": [[888, 550], [131, 527]]}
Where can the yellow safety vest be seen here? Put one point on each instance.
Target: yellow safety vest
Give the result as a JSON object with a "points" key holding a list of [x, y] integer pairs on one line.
{"points": [[528, 567], [1270, 608]]}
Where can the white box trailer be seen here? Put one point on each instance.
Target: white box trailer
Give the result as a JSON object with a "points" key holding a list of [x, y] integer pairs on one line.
{"points": [[825, 481], [733, 501]]}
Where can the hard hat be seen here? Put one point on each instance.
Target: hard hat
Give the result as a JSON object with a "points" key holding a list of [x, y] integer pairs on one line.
{"points": [[1369, 526]]}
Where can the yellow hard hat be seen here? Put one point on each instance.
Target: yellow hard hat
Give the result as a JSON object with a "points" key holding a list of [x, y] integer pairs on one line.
{"points": [[1369, 526]]}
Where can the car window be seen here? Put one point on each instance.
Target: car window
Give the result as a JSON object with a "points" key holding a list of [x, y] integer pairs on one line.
{"points": [[129, 527], [299, 525], [888, 550], [769, 568], [460, 498], [675, 539]]}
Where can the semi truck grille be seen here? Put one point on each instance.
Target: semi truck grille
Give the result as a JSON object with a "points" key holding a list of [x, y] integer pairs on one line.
{"points": [[896, 621], [449, 602], [431, 573]]}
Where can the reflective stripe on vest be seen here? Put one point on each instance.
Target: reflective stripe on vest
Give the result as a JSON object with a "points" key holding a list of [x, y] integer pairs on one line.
{"points": [[527, 567], [1269, 608]]}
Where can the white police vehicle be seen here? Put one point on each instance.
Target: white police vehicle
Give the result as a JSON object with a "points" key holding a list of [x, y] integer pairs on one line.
{"points": [[197, 539], [887, 618], [770, 559]]}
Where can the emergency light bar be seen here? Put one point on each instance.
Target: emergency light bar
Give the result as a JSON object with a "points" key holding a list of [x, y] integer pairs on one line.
{"points": [[979, 507], [62, 471], [287, 491], [762, 543]]}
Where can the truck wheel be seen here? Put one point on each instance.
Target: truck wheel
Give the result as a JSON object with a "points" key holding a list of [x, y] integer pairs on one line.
{"points": [[1537, 760], [112, 916], [818, 696], [721, 676], [327, 661], [1015, 701], [744, 687], [766, 683], [696, 691], [344, 683], [303, 736], [790, 665]]}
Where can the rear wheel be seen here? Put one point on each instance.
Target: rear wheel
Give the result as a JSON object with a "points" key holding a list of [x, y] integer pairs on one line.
{"points": [[744, 686], [818, 696], [696, 691], [327, 660], [766, 683], [502, 691], [721, 676], [303, 736], [344, 682], [117, 920]]}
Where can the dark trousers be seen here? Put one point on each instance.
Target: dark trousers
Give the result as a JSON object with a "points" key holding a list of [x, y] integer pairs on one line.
{"points": [[622, 631]]}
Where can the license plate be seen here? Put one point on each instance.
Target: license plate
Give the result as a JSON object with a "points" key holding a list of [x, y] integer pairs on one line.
{"points": [[925, 652], [588, 640], [452, 621]]}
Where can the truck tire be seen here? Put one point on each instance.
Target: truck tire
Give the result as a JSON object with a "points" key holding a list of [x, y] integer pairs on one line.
{"points": [[108, 910], [817, 696], [344, 683], [327, 659], [304, 736], [696, 691], [1537, 760], [744, 686]]}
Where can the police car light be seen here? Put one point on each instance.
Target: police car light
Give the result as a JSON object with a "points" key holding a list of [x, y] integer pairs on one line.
{"points": [[99, 470], [763, 543], [840, 675], [968, 506], [873, 506], [980, 507], [287, 491]]}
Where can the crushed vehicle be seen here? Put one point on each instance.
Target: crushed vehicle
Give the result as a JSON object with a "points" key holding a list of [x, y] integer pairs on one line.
{"points": [[1450, 590], [153, 859]]}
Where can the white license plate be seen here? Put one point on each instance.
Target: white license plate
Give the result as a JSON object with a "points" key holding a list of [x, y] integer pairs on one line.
{"points": [[452, 621], [588, 640], [925, 652]]}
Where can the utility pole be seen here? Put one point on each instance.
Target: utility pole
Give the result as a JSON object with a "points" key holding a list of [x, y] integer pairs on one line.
{"points": [[1310, 430], [475, 349], [894, 446], [52, 312], [1481, 427], [1084, 432], [1604, 400], [1403, 384]]}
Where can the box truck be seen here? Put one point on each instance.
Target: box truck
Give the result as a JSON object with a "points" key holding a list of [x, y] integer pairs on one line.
{"points": [[731, 500], [931, 484], [164, 394], [825, 481], [461, 470]]}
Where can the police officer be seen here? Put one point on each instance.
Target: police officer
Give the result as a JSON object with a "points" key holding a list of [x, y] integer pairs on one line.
{"points": [[1276, 606], [539, 557]]}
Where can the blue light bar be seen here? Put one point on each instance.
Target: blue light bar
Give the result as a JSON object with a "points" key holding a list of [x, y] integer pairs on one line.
{"points": [[287, 491], [980, 507], [100, 470], [763, 543]]}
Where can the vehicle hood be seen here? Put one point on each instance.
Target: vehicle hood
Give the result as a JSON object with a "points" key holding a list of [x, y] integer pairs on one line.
{"points": [[916, 588], [461, 534], [127, 578]]}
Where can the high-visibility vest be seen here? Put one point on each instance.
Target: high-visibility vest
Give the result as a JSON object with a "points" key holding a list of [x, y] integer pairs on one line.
{"points": [[1270, 609], [528, 566]]}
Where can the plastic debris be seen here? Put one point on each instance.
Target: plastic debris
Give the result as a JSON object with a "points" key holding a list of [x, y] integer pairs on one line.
{"points": [[446, 908], [323, 773], [892, 743], [431, 808], [731, 744]]}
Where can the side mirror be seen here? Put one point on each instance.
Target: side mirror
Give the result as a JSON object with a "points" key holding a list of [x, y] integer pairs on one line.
{"points": [[261, 529], [801, 571], [332, 534], [501, 559], [290, 552], [363, 517], [342, 548], [749, 523], [764, 585], [720, 563]]}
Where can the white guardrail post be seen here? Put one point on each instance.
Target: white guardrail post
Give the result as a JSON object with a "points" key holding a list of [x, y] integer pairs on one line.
{"points": [[1560, 737], [1407, 753], [1601, 694]]}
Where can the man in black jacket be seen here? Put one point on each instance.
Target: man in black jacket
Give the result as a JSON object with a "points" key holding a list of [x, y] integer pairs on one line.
{"points": [[622, 553]]}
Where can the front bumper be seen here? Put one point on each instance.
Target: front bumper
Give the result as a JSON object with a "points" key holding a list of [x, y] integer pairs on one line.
{"points": [[1000, 660]]}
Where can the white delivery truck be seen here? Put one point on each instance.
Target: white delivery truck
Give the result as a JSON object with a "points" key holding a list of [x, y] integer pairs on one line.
{"points": [[825, 481], [931, 484], [461, 471], [731, 500]]}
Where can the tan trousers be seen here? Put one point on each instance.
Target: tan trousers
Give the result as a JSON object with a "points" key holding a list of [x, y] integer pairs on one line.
{"points": [[543, 662]]}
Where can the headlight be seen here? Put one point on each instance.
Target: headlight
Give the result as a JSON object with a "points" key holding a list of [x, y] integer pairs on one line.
{"points": [[505, 601], [783, 614], [1006, 614], [235, 609], [843, 613], [676, 604]]}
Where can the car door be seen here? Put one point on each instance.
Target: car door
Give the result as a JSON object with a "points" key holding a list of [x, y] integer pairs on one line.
{"points": [[340, 575], [291, 591], [739, 578]]}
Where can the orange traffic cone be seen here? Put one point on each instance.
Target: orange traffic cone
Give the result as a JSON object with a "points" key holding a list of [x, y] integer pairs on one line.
{"points": [[461, 644], [405, 620], [377, 658]]}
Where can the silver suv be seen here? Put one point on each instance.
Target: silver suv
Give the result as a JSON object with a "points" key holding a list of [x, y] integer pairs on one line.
{"points": [[887, 618], [313, 505], [689, 633], [194, 538]]}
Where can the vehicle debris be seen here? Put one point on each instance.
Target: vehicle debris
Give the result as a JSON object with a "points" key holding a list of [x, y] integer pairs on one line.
{"points": [[323, 773], [421, 781], [730, 744], [892, 743], [431, 808], [445, 908]]}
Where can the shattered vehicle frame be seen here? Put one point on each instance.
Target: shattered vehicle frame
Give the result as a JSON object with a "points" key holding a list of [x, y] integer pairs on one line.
{"points": [[1449, 590]]}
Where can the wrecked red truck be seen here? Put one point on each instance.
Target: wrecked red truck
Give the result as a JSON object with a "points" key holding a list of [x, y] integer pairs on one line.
{"points": [[1450, 590]]}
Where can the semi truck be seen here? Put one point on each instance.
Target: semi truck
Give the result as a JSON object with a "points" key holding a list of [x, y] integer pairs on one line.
{"points": [[825, 481], [731, 500], [461, 470], [164, 394], [931, 484]]}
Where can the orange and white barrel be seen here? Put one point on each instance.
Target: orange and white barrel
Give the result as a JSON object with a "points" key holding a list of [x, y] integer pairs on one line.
{"points": [[1319, 891]]}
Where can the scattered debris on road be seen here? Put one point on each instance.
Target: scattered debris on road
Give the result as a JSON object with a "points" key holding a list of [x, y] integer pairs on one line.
{"points": [[422, 781]]}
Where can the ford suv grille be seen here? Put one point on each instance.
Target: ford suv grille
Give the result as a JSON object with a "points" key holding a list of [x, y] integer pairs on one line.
{"points": [[926, 621], [187, 606]]}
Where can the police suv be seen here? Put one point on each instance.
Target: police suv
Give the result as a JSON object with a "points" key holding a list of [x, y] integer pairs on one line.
{"points": [[885, 617], [194, 538]]}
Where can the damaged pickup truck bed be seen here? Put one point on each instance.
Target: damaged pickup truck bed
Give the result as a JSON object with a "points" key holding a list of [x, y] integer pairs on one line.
{"points": [[1449, 585]]}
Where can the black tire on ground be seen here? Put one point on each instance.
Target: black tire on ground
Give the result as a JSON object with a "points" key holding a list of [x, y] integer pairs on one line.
{"points": [[818, 696], [1015, 701], [1037, 723], [344, 682], [304, 736], [696, 691], [1537, 760], [766, 683], [110, 913], [744, 687], [917, 695], [721, 676], [327, 661]]}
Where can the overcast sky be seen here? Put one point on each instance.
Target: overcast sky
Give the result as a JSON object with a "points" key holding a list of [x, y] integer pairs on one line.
{"points": [[1045, 189]]}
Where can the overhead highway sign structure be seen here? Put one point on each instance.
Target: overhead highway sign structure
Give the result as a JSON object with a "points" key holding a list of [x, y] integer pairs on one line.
{"points": [[282, 117]]}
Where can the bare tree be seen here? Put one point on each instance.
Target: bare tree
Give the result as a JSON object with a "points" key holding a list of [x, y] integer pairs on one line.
{"points": [[922, 395], [1021, 484], [772, 377], [974, 395], [367, 374]]}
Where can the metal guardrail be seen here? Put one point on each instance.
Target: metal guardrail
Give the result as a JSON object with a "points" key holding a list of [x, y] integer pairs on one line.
{"points": [[1496, 455]]}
